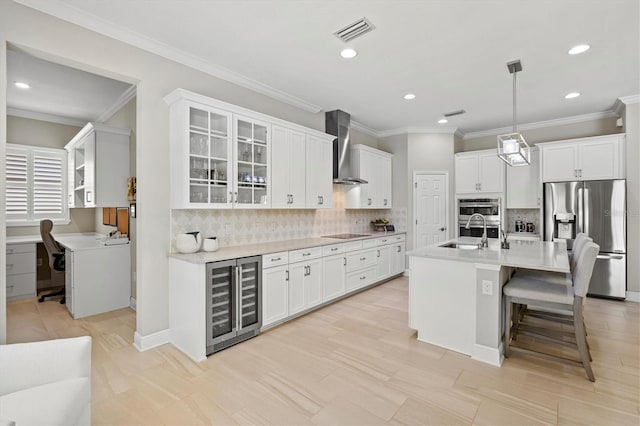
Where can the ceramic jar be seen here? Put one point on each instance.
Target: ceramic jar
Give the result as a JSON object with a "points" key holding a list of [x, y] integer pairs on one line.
{"points": [[189, 242], [210, 244]]}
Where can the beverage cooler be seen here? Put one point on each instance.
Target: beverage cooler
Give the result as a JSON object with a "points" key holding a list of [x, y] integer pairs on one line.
{"points": [[234, 300]]}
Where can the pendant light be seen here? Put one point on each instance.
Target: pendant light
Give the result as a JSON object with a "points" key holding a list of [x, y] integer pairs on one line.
{"points": [[512, 148]]}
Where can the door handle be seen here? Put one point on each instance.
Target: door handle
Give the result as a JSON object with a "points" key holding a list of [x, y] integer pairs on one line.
{"points": [[287, 275], [368, 201], [231, 196], [399, 249], [378, 253], [345, 261], [444, 228], [236, 197], [239, 299], [610, 256], [322, 199]]}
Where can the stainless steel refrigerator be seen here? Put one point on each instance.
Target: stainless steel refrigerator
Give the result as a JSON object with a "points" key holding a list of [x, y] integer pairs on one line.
{"points": [[596, 208]]}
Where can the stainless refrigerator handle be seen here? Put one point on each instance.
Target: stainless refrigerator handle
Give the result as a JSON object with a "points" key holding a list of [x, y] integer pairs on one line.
{"points": [[586, 208], [610, 256], [580, 212]]}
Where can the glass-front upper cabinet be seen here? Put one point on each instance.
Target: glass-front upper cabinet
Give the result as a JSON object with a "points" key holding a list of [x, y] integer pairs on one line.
{"points": [[210, 162], [252, 153]]}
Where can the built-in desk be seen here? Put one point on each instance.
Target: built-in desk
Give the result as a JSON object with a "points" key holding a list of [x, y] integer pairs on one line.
{"points": [[97, 276]]}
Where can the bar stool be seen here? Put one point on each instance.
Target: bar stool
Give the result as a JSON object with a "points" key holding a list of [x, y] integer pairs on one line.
{"points": [[557, 277], [549, 295]]}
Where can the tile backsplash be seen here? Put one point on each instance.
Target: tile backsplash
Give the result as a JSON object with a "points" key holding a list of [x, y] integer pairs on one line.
{"points": [[238, 227], [526, 215]]}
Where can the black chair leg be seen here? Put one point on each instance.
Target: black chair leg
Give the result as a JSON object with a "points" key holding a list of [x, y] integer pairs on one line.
{"points": [[57, 293]]}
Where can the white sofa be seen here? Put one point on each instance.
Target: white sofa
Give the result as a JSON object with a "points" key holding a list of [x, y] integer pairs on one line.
{"points": [[46, 383]]}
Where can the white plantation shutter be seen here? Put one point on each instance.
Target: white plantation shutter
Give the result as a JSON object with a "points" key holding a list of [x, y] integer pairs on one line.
{"points": [[48, 187], [36, 184], [16, 176]]}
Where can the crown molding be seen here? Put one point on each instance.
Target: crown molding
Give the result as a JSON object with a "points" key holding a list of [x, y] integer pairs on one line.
{"points": [[122, 100], [41, 116], [94, 23], [628, 100], [407, 130], [364, 129], [542, 124]]}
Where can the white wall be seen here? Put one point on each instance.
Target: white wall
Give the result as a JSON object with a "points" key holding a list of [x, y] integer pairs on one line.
{"points": [[418, 152], [59, 41], [631, 119]]}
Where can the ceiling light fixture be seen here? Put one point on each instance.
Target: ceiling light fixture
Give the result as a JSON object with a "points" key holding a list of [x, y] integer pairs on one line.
{"points": [[572, 95], [581, 48], [443, 121], [22, 85], [512, 148], [409, 96], [348, 53]]}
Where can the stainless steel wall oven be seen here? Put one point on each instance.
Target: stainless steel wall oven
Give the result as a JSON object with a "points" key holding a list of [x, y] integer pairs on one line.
{"points": [[488, 207]]}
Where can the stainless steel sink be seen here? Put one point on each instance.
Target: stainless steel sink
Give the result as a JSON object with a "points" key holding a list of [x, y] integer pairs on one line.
{"points": [[461, 246]]}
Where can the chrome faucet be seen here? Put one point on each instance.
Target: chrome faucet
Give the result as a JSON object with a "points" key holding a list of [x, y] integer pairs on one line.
{"points": [[484, 242]]}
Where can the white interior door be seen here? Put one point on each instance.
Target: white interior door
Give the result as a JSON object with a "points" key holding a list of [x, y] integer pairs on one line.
{"points": [[431, 205]]}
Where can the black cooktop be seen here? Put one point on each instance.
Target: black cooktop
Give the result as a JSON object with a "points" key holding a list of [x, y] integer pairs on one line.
{"points": [[346, 236]]}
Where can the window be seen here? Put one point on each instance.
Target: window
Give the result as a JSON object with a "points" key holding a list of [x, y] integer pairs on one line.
{"points": [[36, 185]]}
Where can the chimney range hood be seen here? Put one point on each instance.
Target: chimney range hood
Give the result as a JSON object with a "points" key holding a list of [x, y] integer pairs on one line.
{"points": [[337, 124]]}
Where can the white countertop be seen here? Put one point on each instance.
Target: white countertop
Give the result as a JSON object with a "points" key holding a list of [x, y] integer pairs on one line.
{"points": [[73, 242], [541, 255], [235, 252]]}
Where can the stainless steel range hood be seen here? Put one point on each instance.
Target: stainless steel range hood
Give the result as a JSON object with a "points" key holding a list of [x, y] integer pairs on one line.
{"points": [[337, 124]]}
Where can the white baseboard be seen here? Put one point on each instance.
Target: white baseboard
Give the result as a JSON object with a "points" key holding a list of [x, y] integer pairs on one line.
{"points": [[633, 296], [150, 341], [132, 303], [489, 355], [407, 272]]}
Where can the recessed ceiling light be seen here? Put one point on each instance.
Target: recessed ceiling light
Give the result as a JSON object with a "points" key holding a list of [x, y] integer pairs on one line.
{"points": [[409, 96], [572, 95], [348, 53], [22, 85], [581, 48], [443, 121]]}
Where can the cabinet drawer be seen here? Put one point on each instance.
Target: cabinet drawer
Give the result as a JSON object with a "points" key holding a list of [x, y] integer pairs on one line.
{"points": [[397, 238], [275, 259], [361, 259], [358, 279], [21, 248], [21, 263], [341, 248], [21, 285], [305, 254], [372, 242]]}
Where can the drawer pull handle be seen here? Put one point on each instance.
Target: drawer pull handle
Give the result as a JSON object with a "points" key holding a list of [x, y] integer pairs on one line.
{"points": [[363, 278], [275, 259], [306, 254], [363, 258], [334, 249]]}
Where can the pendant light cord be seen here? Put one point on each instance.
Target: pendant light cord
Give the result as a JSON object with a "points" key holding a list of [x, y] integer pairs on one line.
{"points": [[515, 126]]}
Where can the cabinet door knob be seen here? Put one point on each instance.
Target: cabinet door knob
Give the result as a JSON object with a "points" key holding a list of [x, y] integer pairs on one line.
{"points": [[444, 228]]}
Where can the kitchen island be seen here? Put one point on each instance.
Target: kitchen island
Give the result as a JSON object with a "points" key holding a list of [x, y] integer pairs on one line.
{"points": [[455, 291]]}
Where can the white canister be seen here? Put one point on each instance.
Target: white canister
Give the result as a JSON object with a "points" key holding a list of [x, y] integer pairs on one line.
{"points": [[211, 244], [189, 242]]}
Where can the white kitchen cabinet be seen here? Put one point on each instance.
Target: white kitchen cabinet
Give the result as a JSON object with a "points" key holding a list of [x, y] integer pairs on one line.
{"points": [[98, 166], [397, 258], [313, 283], [479, 172], [223, 156], [594, 158], [275, 294], [375, 167], [524, 184], [305, 285], [288, 156], [334, 282], [92, 284], [319, 176], [21, 270], [383, 267]]}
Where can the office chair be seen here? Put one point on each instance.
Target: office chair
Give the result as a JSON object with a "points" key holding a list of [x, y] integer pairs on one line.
{"points": [[56, 257]]}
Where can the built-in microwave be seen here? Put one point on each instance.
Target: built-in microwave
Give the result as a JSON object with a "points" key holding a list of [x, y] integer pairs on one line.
{"points": [[488, 207]]}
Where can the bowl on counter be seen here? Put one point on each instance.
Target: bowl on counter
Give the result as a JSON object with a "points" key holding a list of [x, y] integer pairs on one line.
{"points": [[189, 242]]}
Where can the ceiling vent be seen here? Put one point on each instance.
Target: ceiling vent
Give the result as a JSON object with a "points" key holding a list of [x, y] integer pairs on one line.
{"points": [[452, 113], [355, 30]]}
